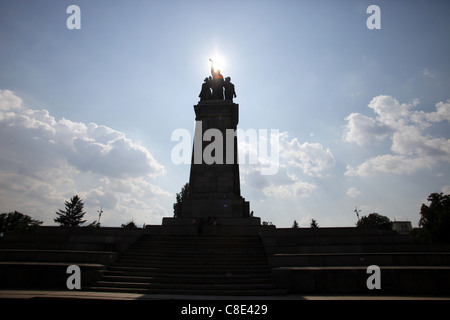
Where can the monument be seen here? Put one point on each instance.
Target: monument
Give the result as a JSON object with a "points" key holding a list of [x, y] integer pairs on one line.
{"points": [[214, 183]]}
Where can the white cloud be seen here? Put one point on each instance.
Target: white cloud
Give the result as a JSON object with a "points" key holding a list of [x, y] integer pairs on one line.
{"points": [[50, 160], [352, 192], [99, 197], [283, 185], [428, 73], [387, 164], [9, 101], [312, 158], [390, 112], [305, 222], [36, 135], [410, 141], [118, 157], [413, 149], [292, 188], [442, 112], [363, 130]]}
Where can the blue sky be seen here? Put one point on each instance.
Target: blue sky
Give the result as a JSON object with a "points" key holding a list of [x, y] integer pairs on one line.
{"points": [[363, 115]]}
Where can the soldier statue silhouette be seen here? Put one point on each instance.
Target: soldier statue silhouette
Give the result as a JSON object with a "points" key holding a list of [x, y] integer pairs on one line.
{"points": [[214, 86], [205, 93], [229, 89], [217, 83]]}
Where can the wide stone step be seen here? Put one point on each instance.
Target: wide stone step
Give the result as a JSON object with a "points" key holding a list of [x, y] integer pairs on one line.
{"points": [[161, 248], [362, 259], [194, 246], [194, 279], [359, 248], [184, 286], [174, 291], [69, 256], [191, 265], [185, 261], [189, 244], [200, 241], [197, 247], [45, 275], [196, 268], [197, 252], [184, 276], [194, 255], [353, 280]]}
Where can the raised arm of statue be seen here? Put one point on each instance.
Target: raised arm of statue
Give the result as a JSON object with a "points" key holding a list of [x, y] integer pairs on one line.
{"points": [[217, 83], [212, 67]]}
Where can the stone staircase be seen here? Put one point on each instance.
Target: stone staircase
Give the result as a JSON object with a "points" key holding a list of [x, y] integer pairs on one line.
{"points": [[194, 265], [297, 261], [335, 261], [39, 259]]}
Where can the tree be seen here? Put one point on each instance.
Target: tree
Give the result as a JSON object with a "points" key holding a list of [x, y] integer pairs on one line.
{"points": [[295, 225], [72, 215], [93, 224], [434, 224], [17, 222], [129, 225], [375, 220], [314, 224], [178, 205]]}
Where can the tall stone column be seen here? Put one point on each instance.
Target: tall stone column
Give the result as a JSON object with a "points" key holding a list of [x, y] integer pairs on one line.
{"points": [[214, 183]]}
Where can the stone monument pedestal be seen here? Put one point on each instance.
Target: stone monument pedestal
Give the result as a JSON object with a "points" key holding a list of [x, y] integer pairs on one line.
{"points": [[251, 221], [221, 226], [214, 196]]}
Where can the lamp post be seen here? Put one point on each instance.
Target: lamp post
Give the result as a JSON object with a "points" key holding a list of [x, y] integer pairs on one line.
{"points": [[99, 216]]}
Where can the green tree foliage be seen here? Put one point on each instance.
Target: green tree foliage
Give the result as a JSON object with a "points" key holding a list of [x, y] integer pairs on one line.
{"points": [[178, 205], [434, 223], [375, 220], [129, 225], [93, 224], [17, 222], [295, 225], [314, 224], [73, 214]]}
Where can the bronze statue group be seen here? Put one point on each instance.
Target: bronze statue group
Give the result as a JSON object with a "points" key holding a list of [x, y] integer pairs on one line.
{"points": [[216, 88]]}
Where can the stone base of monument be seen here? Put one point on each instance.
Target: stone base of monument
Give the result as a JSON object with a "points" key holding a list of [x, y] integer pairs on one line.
{"points": [[212, 226], [253, 221], [216, 208]]}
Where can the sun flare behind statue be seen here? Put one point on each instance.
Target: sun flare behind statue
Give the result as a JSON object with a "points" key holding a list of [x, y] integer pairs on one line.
{"points": [[218, 62]]}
